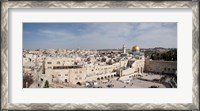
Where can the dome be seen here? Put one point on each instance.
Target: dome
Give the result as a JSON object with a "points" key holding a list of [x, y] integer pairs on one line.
{"points": [[135, 48]]}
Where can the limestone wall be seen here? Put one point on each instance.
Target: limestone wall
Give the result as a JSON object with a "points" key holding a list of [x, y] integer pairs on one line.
{"points": [[160, 66], [49, 63], [137, 67]]}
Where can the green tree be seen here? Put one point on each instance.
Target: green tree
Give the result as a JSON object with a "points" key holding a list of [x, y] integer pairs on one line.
{"points": [[46, 85]]}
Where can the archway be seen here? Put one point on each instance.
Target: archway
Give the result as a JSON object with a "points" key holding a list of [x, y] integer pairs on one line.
{"points": [[98, 78], [78, 83], [101, 77]]}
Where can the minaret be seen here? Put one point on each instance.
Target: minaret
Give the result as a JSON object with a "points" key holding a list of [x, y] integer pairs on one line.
{"points": [[124, 49]]}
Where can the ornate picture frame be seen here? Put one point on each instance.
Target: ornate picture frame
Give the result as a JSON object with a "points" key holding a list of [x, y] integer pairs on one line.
{"points": [[6, 5]]}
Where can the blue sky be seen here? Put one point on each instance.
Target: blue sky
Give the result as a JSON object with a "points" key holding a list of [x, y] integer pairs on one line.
{"points": [[99, 35]]}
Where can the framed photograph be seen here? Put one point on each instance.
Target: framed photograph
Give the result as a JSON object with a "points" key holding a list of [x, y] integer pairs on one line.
{"points": [[100, 55]]}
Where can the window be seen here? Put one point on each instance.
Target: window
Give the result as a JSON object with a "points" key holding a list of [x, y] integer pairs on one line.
{"points": [[58, 62], [41, 79], [76, 78], [165, 68], [49, 62], [49, 67], [80, 72], [168, 69], [66, 74], [59, 75], [80, 78]]}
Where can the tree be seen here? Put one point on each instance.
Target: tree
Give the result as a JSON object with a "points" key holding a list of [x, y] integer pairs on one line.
{"points": [[27, 79], [46, 85], [170, 55]]}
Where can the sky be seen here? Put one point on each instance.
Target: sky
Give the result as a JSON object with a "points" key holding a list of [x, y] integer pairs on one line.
{"points": [[99, 35]]}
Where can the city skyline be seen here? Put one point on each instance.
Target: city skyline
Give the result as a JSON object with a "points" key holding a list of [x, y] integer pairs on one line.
{"points": [[98, 35]]}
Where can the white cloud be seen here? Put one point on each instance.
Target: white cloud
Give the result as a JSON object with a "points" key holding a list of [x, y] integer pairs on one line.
{"points": [[112, 35]]}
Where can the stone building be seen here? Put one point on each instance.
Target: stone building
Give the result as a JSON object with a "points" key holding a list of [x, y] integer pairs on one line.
{"points": [[78, 69]]}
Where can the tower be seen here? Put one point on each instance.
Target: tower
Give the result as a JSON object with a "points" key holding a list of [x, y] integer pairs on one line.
{"points": [[124, 49]]}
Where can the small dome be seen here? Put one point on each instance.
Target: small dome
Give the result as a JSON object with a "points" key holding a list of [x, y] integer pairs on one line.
{"points": [[135, 48]]}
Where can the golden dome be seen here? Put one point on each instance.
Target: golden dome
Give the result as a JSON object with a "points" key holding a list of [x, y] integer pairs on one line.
{"points": [[135, 48]]}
